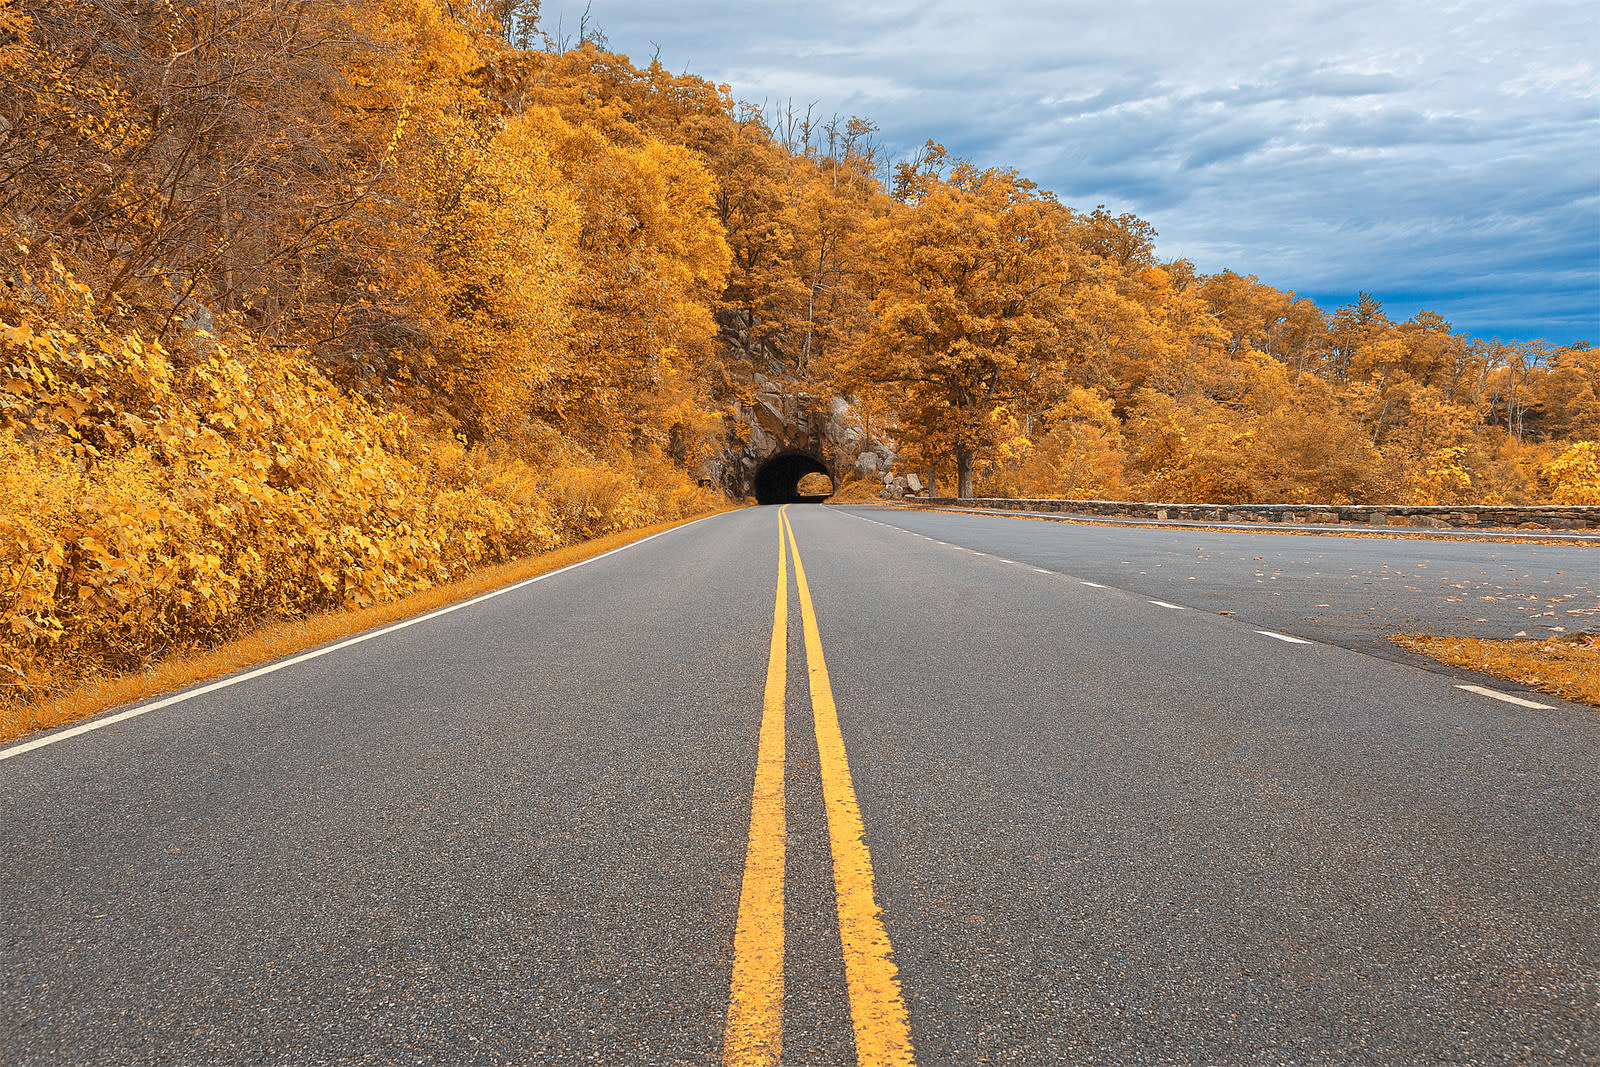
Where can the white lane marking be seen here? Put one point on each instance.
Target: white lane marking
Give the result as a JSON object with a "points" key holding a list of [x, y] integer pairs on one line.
{"points": [[1164, 604], [1507, 697], [1041, 570], [1095, 585], [178, 698], [1285, 637]]}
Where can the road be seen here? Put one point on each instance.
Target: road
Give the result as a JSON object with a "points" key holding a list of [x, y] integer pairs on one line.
{"points": [[1094, 821], [1352, 591]]}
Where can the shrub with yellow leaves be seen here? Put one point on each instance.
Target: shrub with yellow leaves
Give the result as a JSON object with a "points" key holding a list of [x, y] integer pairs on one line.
{"points": [[1574, 476], [162, 497]]}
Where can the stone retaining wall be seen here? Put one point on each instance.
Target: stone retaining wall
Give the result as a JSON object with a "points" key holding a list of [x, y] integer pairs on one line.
{"points": [[1549, 517]]}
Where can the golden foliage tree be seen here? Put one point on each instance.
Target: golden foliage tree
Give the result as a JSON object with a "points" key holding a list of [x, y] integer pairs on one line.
{"points": [[652, 260], [968, 316]]}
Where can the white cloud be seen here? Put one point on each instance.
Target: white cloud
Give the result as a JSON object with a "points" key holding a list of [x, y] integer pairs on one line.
{"points": [[1447, 156]]}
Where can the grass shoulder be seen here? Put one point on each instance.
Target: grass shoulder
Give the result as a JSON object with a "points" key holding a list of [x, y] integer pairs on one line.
{"points": [[1567, 666], [287, 637]]}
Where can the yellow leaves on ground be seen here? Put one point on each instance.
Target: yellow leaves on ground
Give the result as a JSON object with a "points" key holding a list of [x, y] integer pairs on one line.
{"points": [[1567, 665]]}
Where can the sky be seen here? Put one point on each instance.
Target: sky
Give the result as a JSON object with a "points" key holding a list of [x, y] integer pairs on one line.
{"points": [[1442, 156]]}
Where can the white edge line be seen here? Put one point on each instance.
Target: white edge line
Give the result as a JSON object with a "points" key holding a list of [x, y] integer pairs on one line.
{"points": [[1164, 604], [190, 694], [1507, 697], [1285, 637], [1092, 585]]}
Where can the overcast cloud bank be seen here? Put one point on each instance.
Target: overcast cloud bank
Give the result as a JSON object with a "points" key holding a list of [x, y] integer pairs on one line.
{"points": [[1445, 156]]}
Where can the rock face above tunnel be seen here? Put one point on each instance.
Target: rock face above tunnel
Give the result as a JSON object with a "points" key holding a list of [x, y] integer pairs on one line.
{"points": [[783, 417]]}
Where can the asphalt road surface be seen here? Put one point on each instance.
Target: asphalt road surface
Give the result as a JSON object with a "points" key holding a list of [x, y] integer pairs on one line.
{"points": [[976, 790], [1351, 591]]}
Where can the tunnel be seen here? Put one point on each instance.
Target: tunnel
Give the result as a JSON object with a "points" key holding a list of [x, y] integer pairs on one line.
{"points": [[777, 480]]}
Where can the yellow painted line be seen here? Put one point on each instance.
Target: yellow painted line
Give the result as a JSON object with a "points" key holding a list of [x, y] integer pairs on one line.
{"points": [[877, 1010], [754, 1034]]}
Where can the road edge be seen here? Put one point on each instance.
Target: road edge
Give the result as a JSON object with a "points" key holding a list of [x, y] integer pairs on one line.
{"points": [[272, 647], [1404, 533]]}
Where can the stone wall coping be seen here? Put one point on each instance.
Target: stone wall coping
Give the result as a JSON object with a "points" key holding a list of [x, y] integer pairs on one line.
{"points": [[1524, 516]]}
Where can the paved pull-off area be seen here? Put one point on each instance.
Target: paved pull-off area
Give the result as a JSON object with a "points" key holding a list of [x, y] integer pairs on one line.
{"points": [[830, 786]]}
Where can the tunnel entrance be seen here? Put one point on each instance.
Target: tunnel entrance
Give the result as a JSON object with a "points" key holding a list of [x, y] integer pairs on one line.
{"points": [[777, 481]]}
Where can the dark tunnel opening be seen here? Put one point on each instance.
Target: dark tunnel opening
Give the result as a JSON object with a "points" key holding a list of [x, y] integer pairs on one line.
{"points": [[777, 481]]}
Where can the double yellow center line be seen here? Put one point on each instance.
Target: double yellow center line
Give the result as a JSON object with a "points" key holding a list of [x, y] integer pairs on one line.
{"points": [[754, 1034]]}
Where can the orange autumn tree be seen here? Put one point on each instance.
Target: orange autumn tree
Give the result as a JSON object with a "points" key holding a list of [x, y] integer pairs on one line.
{"points": [[452, 276], [177, 153], [1075, 450], [287, 283], [966, 325], [495, 297], [1574, 476], [650, 256], [652, 260]]}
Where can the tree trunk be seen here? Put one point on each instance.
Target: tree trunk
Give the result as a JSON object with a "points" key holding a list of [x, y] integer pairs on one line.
{"points": [[1513, 416], [964, 473]]}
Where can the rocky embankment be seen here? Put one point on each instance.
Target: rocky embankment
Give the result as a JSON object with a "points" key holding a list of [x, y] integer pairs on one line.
{"points": [[784, 416]]}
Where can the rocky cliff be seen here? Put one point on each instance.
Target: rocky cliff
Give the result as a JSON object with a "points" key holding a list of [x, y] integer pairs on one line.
{"points": [[784, 415]]}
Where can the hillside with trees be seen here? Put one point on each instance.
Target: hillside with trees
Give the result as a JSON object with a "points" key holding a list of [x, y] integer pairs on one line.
{"points": [[313, 303]]}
